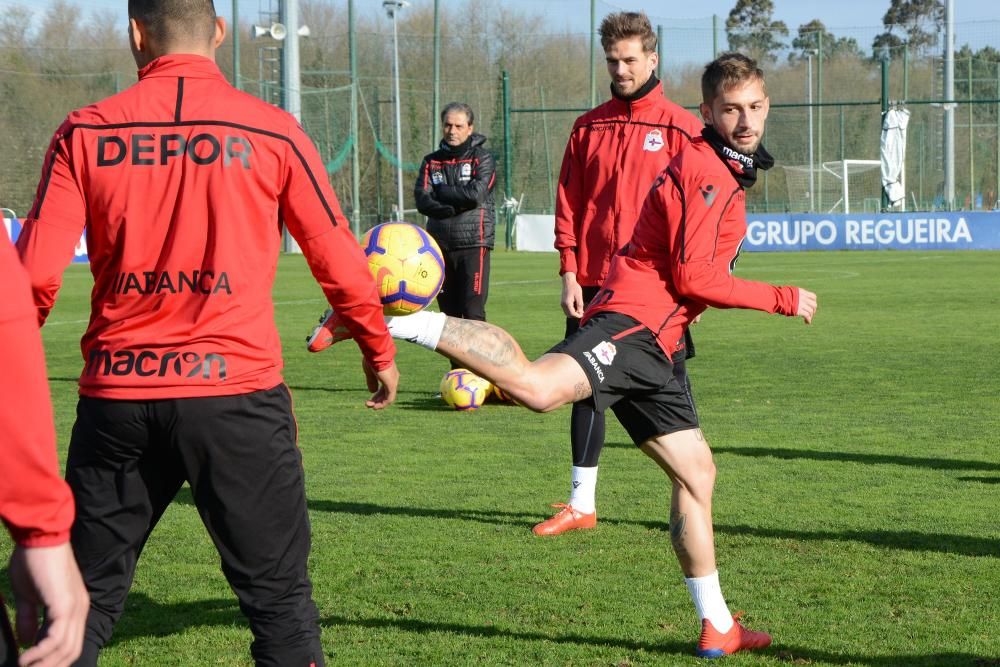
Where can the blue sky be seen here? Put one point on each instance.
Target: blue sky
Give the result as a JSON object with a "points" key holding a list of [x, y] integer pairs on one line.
{"points": [[575, 14], [858, 18]]}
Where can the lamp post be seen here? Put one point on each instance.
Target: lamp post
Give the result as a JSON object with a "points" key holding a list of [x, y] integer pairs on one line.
{"points": [[809, 96], [392, 8]]}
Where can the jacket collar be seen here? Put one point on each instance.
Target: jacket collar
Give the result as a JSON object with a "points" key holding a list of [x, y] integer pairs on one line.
{"points": [[645, 97], [181, 64]]}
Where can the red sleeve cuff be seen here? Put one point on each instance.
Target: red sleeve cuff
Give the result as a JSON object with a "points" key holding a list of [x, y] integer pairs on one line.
{"points": [[567, 261], [36, 538]]}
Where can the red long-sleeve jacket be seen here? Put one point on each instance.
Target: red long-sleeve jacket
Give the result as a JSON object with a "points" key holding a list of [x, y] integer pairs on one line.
{"points": [[35, 503], [182, 183], [614, 154], [683, 252]]}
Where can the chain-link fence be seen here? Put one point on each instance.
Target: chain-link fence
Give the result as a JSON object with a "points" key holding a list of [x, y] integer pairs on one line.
{"points": [[833, 125]]}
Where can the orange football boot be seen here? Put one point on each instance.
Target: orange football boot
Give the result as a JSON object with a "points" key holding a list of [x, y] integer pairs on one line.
{"points": [[714, 644], [567, 519], [330, 330]]}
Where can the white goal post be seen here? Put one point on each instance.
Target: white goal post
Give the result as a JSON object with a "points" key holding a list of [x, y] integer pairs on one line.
{"points": [[845, 186]]}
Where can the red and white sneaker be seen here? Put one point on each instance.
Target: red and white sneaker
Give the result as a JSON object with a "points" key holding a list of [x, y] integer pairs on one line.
{"points": [[714, 644], [567, 519], [330, 330]]}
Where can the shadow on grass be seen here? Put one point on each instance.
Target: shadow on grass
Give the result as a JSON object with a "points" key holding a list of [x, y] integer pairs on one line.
{"points": [[982, 480], [493, 517], [324, 388], [784, 652], [145, 617], [854, 457], [962, 545]]}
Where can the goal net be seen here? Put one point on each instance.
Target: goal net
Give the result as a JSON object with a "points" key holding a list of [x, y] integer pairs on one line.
{"points": [[840, 186]]}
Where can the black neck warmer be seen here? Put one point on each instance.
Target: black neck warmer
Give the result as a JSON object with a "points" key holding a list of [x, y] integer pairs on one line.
{"points": [[743, 167], [642, 92]]}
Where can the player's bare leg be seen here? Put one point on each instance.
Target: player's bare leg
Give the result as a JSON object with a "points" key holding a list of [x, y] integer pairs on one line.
{"points": [[487, 350], [687, 460]]}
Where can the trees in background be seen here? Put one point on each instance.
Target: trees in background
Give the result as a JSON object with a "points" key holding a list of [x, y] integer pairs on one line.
{"points": [[53, 61], [751, 29], [915, 23], [814, 36]]}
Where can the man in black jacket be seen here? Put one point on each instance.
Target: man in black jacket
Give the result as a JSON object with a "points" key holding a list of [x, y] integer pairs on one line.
{"points": [[455, 191]]}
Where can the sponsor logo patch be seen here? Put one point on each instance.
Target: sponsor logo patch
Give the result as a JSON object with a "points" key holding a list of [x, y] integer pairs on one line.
{"points": [[465, 173], [605, 351], [437, 178], [708, 192], [653, 141], [148, 363]]}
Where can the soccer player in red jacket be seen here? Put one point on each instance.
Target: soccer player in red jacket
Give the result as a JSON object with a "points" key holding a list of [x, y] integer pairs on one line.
{"points": [[678, 263], [35, 503], [182, 183], [614, 153]]}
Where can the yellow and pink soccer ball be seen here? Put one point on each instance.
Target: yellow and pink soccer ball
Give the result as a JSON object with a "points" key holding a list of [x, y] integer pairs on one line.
{"points": [[406, 264], [464, 390]]}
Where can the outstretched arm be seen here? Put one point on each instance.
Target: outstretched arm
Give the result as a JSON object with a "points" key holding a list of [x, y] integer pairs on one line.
{"points": [[314, 218], [708, 237]]}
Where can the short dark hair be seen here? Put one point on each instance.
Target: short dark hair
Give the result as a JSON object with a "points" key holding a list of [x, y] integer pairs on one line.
{"points": [[728, 71], [627, 25], [171, 21], [458, 106]]}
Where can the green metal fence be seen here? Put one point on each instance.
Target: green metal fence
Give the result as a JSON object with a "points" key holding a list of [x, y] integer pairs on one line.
{"points": [[528, 113]]}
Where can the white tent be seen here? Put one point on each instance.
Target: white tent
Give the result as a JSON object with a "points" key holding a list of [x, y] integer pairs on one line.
{"points": [[893, 154]]}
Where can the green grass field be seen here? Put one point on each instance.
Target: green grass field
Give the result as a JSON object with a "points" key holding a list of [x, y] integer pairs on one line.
{"points": [[856, 508]]}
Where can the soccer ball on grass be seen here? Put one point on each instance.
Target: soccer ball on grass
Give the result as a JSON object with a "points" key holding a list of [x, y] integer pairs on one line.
{"points": [[464, 390]]}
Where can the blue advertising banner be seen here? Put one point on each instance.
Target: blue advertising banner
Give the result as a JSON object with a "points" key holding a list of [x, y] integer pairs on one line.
{"points": [[770, 232], [13, 228]]}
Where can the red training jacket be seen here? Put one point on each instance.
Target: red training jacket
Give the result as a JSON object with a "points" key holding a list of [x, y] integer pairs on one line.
{"points": [[35, 503], [683, 251], [182, 182], [614, 154]]}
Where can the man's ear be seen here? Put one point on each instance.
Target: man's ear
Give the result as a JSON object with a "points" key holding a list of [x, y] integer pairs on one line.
{"points": [[220, 32], [706, 113], [137, 36]]}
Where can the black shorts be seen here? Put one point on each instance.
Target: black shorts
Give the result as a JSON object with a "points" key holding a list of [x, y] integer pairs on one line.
{"points": [[630, 373], [128, 459]]}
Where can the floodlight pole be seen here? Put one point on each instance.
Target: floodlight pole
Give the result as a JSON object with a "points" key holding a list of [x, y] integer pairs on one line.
{"points": [[292, 73], [812, 175], [949, 105], [291, 76], [593, 50], [352, 48], [235, 30], [392, 7]]}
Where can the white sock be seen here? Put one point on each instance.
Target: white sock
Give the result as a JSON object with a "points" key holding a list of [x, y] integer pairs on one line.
{"points": [[707, 596], [423, 328], [584, 489]]}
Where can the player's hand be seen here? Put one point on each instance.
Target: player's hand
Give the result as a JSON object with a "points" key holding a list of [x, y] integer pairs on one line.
{"points": [[47, 579], [384, 383], [807, 305], [572, 296]]}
